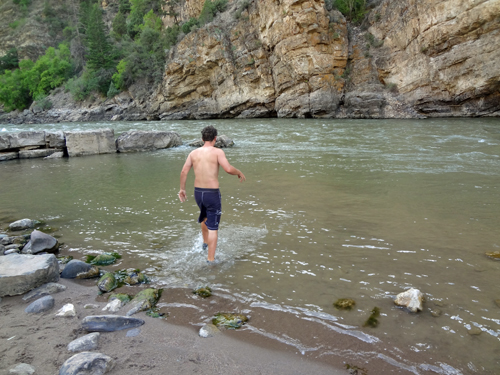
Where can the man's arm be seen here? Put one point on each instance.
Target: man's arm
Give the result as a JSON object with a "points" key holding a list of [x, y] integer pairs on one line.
{"points": [[184, 173], [228, 168]]}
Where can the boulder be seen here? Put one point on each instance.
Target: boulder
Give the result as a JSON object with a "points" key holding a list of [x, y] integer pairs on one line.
{"points": [[411, 299], [109, 323], [55, 139], [40, 305], [74, 268], [41, 242], [44, 290], [21, 273], [22, 224], [84, 343], [91, 142], [136, 140], [27, 138], [39, 153], [87, 363], [4, 156]]}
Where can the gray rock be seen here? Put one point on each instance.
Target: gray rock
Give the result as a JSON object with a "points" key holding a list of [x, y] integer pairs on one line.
{"points": [[85, 343], [4, 142], [87, 363], [4, 156], [222, 141], [6, 240], [22, 224], [44, 290], [40, 305], [55, 139], [12, 250], [133, 332], [2, 249], [21, 273], [27, 248], [109, 323], [55, 155], [13, 247], [22, 369], [67, 310], [28, 138], [74, 268], [136, 140], [41, 242], [209, 330], [40, 153], [90, 142]]}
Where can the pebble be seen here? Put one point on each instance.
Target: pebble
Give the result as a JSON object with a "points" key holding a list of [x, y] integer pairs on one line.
{"points": [[67, 310], [22, 369], [133, 332], [474, 331]]}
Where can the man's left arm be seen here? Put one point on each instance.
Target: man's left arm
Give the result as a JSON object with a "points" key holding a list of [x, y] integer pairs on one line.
{"points": [[228, 168]]}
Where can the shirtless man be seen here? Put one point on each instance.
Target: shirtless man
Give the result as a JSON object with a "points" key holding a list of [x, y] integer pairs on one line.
{"points": [[206, 161]]}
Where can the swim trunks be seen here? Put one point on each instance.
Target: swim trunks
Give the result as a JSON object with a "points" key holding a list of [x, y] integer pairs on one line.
{"points": [[209, 201]]}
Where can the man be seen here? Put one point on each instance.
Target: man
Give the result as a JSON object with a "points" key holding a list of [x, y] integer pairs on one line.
{"points": [[206, 161]]}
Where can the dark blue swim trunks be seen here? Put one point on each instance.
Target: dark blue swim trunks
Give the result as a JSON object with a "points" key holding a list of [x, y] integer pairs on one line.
{"points": [[209, 201]]}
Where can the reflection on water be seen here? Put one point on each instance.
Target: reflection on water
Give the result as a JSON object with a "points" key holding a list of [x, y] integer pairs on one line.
{"points": [[330, 209]]}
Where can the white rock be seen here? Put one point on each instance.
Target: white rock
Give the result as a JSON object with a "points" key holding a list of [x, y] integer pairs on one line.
{"points": [[411, 299], [67, 310], [209, 330], [22, 369], [113, 306]]}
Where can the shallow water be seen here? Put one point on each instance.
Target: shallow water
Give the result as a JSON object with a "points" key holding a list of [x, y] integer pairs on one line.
{"points": [[331, 208]]}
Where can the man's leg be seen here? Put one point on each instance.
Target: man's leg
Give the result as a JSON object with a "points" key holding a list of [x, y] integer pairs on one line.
{"points": [[204, 231], [212, 244]]}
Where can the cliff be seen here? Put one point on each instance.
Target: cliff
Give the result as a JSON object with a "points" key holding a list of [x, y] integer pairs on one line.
{"points": [[296, 58]]}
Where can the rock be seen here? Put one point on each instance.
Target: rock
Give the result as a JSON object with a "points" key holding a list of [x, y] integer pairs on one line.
{"points": [[4, 156], [22, 224], [104, 259], [344, 304], [209, 330], [40, 153], [495, 255], [87, 363], [11, 249], [27, 138], [41, 242], [474, 331], [411, 299], [40, 305], [144, 300], [90, 274], [67, 310], [136, 140], [203, 292], [497, 302], [21, 273], [44, 290], [436, 312], [113, 306], [222, 141], [91, 306], [2, 249], [55, 139], [85, 343], [134, 277], [27, 248], [91, 142], [55, 155], [107, 282], [109, 323], [22, 369], [74, 268], [133, 332], [229, 320]]}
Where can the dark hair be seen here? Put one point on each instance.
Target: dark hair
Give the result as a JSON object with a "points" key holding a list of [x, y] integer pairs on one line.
{"points": [[208, 133]]}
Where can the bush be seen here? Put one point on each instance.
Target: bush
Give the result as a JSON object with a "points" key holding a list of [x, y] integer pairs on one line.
{"points": [[43, 103], [113, 91], [210, 9], [9, 61], [354, 10], [187, 26], [120, 24]]}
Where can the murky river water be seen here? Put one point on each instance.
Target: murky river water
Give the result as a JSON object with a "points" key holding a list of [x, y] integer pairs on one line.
{"points": [[331, 209]]}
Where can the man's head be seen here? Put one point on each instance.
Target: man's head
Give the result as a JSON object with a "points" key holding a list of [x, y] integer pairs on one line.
{"points": [[208, 133]]}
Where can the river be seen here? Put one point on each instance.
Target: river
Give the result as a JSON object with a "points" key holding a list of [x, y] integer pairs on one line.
{"points": [[362, 209]]}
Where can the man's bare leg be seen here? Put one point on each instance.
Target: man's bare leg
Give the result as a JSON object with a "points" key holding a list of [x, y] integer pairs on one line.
{"points": [[212, 244], [204, 231]]}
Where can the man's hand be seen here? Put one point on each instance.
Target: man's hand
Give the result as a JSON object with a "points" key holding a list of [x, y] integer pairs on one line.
{"points": [[241, 176], [182, 195]]}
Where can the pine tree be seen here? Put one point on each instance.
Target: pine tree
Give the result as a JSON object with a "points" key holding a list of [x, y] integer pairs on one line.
{"points": [[99, 48]]}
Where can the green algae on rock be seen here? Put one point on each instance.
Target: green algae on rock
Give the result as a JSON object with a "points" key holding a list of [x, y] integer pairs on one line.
{"points": [[144, 300], [104, 259], [124, 298], [344, 304], [203, 292], [372, 320], [92, 272], [229, 320], [107, 282], [495, 255]]}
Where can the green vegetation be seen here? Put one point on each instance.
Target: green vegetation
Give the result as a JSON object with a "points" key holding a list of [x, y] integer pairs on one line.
{"points": [[372, 320], [9, 61], [354, 10]]}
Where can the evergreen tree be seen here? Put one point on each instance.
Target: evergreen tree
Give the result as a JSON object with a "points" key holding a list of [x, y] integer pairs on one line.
{"points": [[99, 48]]}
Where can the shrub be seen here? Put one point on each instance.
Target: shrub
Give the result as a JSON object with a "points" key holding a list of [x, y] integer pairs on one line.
{"points": [[113, 91], [210, 9], [187, 26], [43, 103], [9, 61], [120, 24], [354, 10]]}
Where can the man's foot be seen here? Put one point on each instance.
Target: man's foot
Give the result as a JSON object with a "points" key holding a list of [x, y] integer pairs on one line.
{"points": [[212, 262], [204, 246]]}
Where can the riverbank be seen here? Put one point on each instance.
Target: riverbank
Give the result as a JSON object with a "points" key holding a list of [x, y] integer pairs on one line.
{"points": [[41, 340]]}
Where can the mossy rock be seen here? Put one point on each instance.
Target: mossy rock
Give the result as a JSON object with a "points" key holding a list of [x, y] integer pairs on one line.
{"points": [[92, 272], [372, 320], [135, 277], [124, 298], [107, 283], [204, 292], [104, 259], [344, 304], [144, 300], [229, 320], [495, 255]]}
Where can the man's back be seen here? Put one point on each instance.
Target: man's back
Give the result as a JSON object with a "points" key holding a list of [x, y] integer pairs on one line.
{"points": [[206, 167]]}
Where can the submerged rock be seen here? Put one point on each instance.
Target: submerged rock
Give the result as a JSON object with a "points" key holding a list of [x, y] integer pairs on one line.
{"points": [[495, 255], [87, 363], [144, 300], [411, 299], [204, 292], [109, 323], [229, 320], [104, 259], [372, 320], [209, 330], [107, 283], [22, 224], [344, 304]]}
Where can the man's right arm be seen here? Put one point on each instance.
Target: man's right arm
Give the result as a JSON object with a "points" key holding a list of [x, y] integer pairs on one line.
{"points": [[184, 173], [228, 168]]}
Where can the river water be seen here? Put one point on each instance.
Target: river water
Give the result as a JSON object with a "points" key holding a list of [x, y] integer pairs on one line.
{"points": [[362, 209]]}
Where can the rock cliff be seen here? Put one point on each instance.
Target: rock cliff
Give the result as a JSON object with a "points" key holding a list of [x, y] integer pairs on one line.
{"points": [[296, 58]]}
